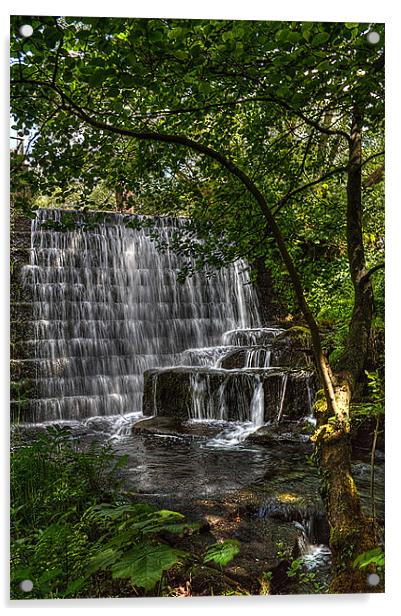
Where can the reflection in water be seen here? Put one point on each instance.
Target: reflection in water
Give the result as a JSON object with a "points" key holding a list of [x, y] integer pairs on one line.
{"points": [[177, 470], [189, 468]]}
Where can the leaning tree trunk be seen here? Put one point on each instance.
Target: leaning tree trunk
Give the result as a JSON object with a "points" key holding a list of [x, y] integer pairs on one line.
{"points": [[352, 533]]}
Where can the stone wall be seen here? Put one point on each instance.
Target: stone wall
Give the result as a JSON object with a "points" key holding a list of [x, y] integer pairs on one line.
{"points": [[22, 369]]}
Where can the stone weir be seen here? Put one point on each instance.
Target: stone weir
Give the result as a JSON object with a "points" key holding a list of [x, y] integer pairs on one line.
{"points": [[257, 375], [96, 301]]}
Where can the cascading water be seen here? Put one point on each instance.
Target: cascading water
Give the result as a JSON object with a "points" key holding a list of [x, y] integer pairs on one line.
{"points": [[233, 382], [282, 398], [107, 307]]}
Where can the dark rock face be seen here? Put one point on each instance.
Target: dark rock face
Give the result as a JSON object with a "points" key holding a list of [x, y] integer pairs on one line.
{"points": [[23, 372], [206, 393], [281, 353], [270, 306], [166, 393]]}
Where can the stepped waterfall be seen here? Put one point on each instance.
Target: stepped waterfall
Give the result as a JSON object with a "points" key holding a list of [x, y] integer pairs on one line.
{"points": [[115, 333], [210, 404]]}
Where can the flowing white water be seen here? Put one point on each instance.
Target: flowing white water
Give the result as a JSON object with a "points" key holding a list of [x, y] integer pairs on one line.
{"points": [[258, 357], [237, 432], [258, 404], [107, 307], [282, 397]]}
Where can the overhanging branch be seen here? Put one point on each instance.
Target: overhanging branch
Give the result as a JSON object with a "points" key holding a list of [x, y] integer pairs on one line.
{"points": [[303, 187]]}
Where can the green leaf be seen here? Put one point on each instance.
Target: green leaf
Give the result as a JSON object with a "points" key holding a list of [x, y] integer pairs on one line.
{"points": [[106, 511], [375, 556], [145, 564], [293, 37], [74, 586], [281, 35], [196, 50], [227, 35], [320, 38], [104, 559], [323, 66], [222, 553]]}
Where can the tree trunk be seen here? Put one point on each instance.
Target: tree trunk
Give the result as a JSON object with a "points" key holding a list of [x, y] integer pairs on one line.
{"points": [[352, 533]]}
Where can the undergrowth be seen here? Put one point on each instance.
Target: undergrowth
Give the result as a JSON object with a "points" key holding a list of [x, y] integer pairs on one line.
{"points": [[76, 533]]}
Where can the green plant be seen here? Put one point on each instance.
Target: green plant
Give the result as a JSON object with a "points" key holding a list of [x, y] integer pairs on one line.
{"points": [[222, 553], [265, 582], [281, 551], [306, 579], [131, 546], [73, 533], [371, 557], [55, 474]]}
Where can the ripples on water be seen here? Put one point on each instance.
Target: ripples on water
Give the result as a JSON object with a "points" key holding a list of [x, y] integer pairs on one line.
{"points": [[178, 469]]}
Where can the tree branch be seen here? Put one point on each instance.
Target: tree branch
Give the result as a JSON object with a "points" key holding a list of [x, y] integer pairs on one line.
{"points": [[376, 155], [231, 167], [60, 44], [295, 191], [372, 270]]}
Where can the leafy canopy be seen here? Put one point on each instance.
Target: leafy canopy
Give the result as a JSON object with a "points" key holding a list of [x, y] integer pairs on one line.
{"points": [[275, 98]]}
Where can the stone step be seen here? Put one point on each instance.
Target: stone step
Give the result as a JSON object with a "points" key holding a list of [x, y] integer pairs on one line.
{"points": [[59, 387], [67, 367], [275, 355], [221, 394], [76, 407], [251, 336]]}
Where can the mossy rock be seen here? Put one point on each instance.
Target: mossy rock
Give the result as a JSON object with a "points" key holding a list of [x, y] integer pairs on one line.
{"points": [[207, 581], [23, 369], [297, 335], [21, 311]]}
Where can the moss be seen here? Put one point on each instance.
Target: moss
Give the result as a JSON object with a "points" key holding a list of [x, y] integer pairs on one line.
{"points": [[351, 485], [297, 333], [320, 404]]}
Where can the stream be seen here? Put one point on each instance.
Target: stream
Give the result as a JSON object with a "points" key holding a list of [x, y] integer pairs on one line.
{"points": [[208, 469]]}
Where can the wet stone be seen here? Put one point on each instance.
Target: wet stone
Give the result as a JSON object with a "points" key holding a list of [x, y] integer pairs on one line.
{"points": [[230, 395], [171, 426]]}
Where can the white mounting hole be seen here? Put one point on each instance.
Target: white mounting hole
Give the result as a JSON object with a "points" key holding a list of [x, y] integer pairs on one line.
{"points": [[373, 37], [373, 579], [26, 30], [26, 585]]}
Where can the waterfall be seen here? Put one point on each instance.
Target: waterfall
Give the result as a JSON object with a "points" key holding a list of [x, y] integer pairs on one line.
{"points": [[107, 306], [282, 397], [258, 357], [258, 404]]}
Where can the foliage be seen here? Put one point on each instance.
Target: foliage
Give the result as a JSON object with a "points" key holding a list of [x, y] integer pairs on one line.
{"points": [[371, 557], [222, 553], [306, 579], [74, 532], [52, 473], [275, 98], [130, 547], [63, 532], [373, 406]]}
